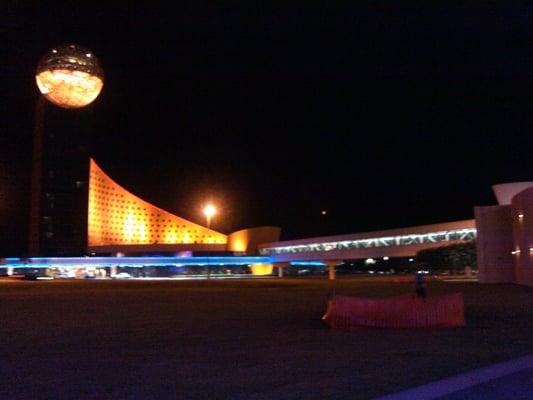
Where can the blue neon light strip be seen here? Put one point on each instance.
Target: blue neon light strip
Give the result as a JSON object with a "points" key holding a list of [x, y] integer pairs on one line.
{"points": [[102, 262], [306, 263]]}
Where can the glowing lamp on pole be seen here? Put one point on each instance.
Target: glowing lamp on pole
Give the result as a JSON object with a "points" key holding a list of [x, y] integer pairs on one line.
{"points": [[209, 211]]}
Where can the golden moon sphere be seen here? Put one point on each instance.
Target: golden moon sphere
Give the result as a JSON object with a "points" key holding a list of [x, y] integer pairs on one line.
{"points": [[69, 76]]}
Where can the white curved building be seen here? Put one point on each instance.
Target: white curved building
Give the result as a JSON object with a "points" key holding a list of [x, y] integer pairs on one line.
{"points": [[505, 235]]}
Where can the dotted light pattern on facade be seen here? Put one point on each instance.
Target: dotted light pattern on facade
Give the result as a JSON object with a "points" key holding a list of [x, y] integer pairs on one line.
{"points": [[117, 217]]}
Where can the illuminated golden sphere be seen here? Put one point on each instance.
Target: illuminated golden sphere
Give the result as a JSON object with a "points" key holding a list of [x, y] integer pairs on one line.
{"points": [[69, 76]]}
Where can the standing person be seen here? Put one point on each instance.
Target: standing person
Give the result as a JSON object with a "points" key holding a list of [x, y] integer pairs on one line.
{"points": [[420, 286]]}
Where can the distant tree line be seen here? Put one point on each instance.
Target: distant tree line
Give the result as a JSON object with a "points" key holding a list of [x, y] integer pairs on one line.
{"points": [[455, 257]]}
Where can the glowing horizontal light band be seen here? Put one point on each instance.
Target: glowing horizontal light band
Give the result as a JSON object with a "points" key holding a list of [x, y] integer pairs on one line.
{"points": [[102, 262], [402, 240], [308, 263]]}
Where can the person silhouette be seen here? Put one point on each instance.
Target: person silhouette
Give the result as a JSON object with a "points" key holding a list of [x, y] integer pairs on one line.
{"points": [[420, 286]]}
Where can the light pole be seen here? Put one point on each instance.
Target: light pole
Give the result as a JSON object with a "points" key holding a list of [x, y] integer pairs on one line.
{"points": [[209, 211]]}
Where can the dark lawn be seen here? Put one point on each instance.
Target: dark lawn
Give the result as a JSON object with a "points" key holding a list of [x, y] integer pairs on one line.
{"points": [[246, 339]]}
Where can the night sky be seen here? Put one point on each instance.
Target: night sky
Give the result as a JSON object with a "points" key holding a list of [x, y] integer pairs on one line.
{"points": [[385, 116]]}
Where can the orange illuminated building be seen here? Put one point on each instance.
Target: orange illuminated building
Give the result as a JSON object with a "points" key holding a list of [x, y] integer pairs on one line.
{"points": [[120, 222], [117, 217]]}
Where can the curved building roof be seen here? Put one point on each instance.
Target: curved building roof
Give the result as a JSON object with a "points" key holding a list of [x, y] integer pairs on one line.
{"points": [[118, 217], [504, 192]]}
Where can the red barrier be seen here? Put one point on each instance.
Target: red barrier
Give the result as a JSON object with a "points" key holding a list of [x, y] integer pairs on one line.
{"points": [[403, 279], [406, 311], [411, 278]]}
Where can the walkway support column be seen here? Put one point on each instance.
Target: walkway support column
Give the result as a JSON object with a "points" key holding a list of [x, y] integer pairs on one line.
{"points": [[281, 266], [331, 268]]}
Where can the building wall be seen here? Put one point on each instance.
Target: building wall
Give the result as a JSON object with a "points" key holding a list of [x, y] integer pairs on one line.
{"points": [[505, 235], [118, 217], [177, 249], [494, 244], [247, 240], [522, 222]]}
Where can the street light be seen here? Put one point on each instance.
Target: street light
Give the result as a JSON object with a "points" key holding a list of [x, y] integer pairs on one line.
{"points": [[209, 211]]}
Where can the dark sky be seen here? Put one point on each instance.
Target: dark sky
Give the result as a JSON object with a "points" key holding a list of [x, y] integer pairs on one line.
{"points": [[384, 115]]}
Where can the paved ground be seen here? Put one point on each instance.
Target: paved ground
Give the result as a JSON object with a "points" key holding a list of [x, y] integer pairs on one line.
{"points": [[237, 340], [511, 379], [518, 386]]}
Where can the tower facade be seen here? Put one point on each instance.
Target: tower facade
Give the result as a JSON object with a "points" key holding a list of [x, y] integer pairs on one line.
{"points": [[60, 177]]}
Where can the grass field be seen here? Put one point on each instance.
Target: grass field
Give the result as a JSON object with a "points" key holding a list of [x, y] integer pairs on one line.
{"points": [[245, 339]]}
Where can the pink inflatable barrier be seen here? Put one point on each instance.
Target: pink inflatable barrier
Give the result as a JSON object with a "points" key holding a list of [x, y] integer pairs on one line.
{"points": [[407, 311], [411, 278]]}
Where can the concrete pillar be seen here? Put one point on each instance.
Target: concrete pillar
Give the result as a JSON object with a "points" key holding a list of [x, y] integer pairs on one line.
{"points": [[331, 268], [281, 266], [331, 272], [494, 244]]}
